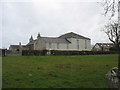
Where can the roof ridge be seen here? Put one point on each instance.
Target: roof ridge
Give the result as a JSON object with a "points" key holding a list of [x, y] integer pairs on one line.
{"points": [[74, 35]]}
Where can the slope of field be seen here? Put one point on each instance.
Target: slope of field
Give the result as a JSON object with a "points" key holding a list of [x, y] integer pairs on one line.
{"points": [[57, 71]]}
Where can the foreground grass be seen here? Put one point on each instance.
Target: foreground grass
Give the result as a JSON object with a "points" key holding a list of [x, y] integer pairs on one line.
{"points": [[57, 71]]}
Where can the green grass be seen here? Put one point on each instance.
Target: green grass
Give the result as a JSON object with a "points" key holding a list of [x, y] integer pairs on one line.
{"points": [[57, 71]]}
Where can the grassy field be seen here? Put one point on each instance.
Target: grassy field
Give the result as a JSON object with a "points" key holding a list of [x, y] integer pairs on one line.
{"points": [[57, 71]]}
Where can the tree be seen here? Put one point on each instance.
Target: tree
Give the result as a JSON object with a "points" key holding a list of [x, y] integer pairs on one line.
{"points": [[110, 7], [112, 31]]}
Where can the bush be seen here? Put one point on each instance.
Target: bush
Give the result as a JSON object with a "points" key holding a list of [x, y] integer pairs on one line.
{"points": [[114, 49]]}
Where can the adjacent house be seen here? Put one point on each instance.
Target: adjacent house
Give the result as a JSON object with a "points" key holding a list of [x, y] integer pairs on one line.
{"points": [[68, 41], [18, 47], [102, 46]]}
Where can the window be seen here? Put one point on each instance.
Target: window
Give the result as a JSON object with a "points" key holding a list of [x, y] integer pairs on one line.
{"points": [[17, 50], [85, 44], [50, 45], [77, 44], [67, 46], [57, 45]]}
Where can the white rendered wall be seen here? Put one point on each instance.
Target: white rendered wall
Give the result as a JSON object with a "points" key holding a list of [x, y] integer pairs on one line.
{"points": [[84, 44], [61, 46], [97, 48]]}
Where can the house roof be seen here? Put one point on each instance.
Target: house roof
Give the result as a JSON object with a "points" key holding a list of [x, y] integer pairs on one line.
{"points": [[60, 39], [105, 44], [55, 40], [51, 40], [14, 46], [73, 35], [17, 46]]}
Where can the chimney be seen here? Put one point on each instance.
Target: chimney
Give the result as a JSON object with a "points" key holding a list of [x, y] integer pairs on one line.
{"points": [[38, 35], [31, 39], [19, 43]]}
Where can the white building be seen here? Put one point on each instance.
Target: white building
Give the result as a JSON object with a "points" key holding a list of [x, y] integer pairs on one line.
{"points": [[68, 41], [102, 46]]}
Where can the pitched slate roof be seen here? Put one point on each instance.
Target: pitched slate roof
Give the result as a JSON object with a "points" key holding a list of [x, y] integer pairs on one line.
{"points": [[73, 35], [55, 40], [105, 44], [60, 39], [16, 46]]}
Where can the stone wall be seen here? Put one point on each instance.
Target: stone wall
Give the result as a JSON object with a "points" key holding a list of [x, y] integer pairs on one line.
{"points": [[112, 78]]}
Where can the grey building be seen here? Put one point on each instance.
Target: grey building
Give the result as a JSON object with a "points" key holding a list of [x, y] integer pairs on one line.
{"points": [[68, 41], [18, 47]]}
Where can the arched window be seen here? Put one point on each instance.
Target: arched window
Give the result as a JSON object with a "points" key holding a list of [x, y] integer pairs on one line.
{"points": [[17, 50]]}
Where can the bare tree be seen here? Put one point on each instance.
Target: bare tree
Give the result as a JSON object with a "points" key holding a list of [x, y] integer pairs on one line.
{"points": [[112, 31], [110, 7]]}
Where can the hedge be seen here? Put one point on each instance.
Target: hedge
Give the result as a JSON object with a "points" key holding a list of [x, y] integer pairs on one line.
{"points": [[60, 52], [3, 52], [55, 52], [33, 52]]}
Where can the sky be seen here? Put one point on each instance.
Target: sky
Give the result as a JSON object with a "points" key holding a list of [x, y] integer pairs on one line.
{"points": [[51, 18]]}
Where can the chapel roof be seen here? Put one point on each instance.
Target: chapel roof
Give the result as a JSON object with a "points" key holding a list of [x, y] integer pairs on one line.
{"points": [[60, 39], [73, 35], [55, 40]]}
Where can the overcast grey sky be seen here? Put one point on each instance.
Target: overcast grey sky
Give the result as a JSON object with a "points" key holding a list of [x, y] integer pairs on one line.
{"points": [[20, 20]]}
